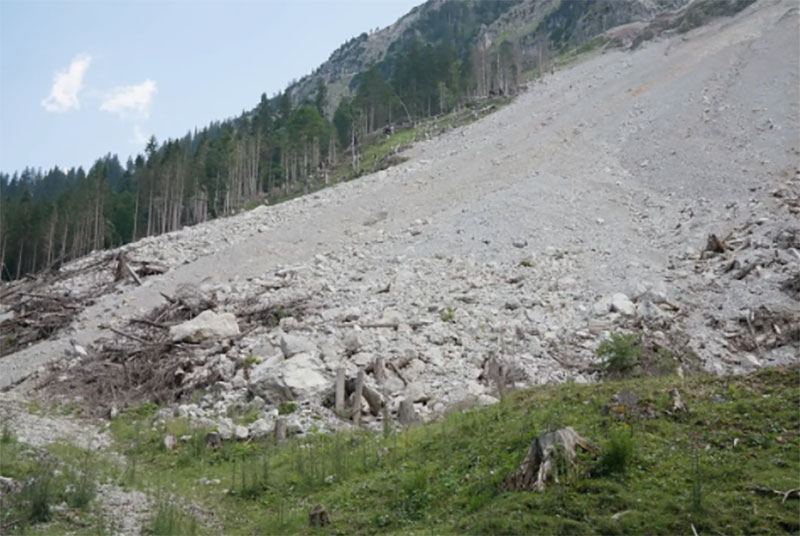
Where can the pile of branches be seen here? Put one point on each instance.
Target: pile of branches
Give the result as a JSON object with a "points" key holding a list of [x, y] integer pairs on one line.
{"points": [[37, 307], [143, 363], [34, 317], [766, 328]]}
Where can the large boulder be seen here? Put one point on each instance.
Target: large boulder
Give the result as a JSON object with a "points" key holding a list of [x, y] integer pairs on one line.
{"points": [[300, 376], [206, 325]]}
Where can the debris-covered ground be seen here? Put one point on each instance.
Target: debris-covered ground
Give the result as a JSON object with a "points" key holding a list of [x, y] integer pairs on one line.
{"points": [[654, 192]]}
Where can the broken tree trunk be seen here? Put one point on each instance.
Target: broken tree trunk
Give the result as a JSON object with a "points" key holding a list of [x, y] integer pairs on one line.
{"points": [[373, 397], [374, 400], [357, 397], [379, 370], [339, 400], [539, 464]]}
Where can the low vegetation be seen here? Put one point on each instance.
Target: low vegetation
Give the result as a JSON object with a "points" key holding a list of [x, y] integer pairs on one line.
{"points": [[657, 470], [52, 491], [716, 467]]}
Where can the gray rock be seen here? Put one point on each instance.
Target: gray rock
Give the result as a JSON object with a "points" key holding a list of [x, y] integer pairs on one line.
{"points": [[602, 306], [415, 392], [352, 342], [292, 345], [300, 376], [414, 369], [260, 428], [620, 303], [206, 325], [169, 442], [648, 310], [225, 429], [391, 316], [241, 432]]}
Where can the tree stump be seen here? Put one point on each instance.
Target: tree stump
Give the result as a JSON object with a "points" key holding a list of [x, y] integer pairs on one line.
{"points": [[213, 440], [339, 400], [357, 397], [406, 414], [539, 464], [318, 517], [677, 404], [280, 430]]}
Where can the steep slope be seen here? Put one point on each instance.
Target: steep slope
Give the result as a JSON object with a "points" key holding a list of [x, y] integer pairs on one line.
{"points": [[514, 237]]}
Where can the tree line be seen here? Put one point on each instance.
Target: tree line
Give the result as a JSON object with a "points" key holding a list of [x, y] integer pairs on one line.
{"points": [[275, 150]]}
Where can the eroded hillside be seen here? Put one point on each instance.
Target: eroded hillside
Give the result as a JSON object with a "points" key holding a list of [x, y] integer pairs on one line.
{"points": [[653, 192]]}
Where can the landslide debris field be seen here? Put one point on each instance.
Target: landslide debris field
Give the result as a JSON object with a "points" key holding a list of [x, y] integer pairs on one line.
{"points": [[653, 192]]}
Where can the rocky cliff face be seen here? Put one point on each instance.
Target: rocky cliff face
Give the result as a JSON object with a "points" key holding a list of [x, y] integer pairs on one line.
{"points": [[560, 23]]}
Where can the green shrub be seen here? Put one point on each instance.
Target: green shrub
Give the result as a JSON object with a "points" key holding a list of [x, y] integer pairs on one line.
{"points": [[7, 435], [287, 408], [621, 353], [448, 314], [81, 488], [169, 520], [618, 452], [39, 494]]}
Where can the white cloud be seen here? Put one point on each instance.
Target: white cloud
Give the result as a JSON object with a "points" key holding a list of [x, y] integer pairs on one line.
{"points": [[66, 86], [130, 100]]}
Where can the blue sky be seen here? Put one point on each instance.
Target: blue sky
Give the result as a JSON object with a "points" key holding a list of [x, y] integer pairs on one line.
{"points": [[81, 78]]}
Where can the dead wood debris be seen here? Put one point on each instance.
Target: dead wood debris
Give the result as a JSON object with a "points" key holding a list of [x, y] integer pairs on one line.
{"points": [[769, 492], [40, 306], [767, 329], [143, 364]]}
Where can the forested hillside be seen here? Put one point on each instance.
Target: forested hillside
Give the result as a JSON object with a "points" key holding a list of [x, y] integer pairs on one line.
{"points": [[443, 56]]}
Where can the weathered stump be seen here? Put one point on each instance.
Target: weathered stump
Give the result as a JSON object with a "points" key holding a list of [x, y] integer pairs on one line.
{"points": [[539, 464], [213, 440], [406, 414], [339, 400], [319, 517], [280, 430]]}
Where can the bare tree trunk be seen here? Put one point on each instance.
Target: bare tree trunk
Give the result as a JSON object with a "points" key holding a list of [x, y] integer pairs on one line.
{"points": [[339, 394], [357, 397], [51, 237], [150, 212], [19, 259], [379, 370], [135, 212]]}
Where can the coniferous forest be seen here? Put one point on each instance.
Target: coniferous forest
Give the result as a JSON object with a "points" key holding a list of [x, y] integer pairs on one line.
{"points": [[284, 146]]}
